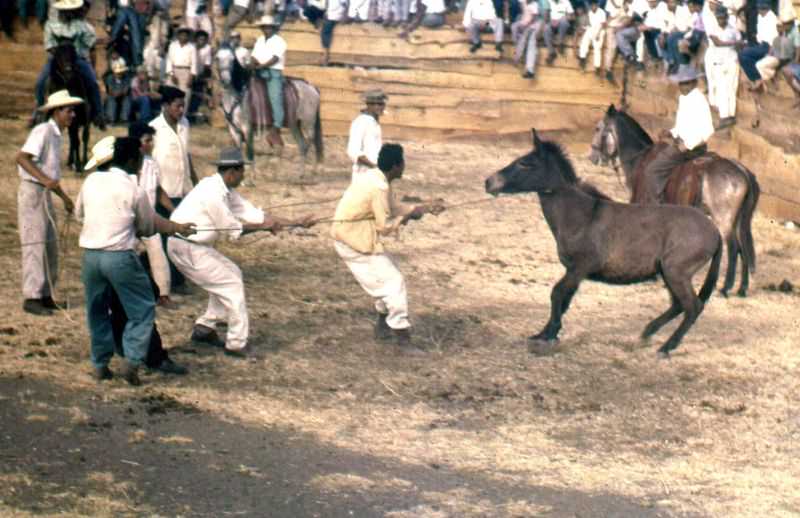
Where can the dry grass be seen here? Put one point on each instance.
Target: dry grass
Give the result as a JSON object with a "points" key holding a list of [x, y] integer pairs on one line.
{"points": [[712, 432]]}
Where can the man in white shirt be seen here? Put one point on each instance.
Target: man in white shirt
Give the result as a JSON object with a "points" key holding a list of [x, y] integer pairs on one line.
{"points": [[428, 13], [268, 58], [680, 24], [197, 16], [365, 140], [171, 153], [561, 13], [766, 32], [619, 17], [336, 12], [39, 168], [594, 36], [114, 209], [477, 15], [687, 139], [181, 65], [722, 66], [219, 211]]}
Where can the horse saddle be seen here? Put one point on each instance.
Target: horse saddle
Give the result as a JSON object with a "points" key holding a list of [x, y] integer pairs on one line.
{"points": [[261, 109]]}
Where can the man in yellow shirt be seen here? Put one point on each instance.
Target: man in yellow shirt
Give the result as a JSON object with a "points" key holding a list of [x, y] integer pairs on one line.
{"points": [[366, 212]]}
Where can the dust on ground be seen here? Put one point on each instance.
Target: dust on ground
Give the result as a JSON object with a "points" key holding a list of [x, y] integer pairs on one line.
{"points": [[328, 423]]}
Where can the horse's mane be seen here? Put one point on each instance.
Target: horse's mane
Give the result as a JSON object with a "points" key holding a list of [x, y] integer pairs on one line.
{"points": [[628, 125], [556, 153]]}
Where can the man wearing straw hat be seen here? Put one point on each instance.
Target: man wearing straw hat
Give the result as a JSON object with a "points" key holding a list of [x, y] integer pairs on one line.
{"points": [[114, 209], [39, 167], [365, 140], [268, 59], [687, 139], [219, 211]]}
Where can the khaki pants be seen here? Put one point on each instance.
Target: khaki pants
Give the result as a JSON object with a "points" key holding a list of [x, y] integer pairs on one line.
{"points": [[159, 267], [767, 67], [37, 235], [723, 81], [183, 80], [611, 48]]}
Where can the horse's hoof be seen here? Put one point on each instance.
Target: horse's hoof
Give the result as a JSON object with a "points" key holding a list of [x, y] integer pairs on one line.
{"points": [[724, 293], [662, 355], [741, 293], [542, 346]]}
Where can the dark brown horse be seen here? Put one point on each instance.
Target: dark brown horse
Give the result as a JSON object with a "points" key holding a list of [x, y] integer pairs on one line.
{"points": [[615, 243], [723, 188]]}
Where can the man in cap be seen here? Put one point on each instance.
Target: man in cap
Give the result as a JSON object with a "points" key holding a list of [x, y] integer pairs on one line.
{"points": [[722, 65], [687, 139], [171, 152], [39, 167], [113, 210], [181, 67], [71, 26], [766, 32], [219, 211], [366, 212], [268, 59], [364, 142]]}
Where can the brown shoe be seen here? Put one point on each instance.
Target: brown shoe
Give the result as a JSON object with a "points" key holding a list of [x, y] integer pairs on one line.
{"points": [[130, 373], [206, 336], [102, 373]]}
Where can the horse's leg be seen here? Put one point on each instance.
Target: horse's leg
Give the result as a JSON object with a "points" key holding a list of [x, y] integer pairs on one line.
{"points": [[680, 283], [662, 319], [560, 298], [74, 144], [85, 157], [302, 145], [733, 254]]}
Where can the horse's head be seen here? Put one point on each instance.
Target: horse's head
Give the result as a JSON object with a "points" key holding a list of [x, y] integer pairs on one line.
{"points": [[544, 169], [65, 60], [604, 141]]}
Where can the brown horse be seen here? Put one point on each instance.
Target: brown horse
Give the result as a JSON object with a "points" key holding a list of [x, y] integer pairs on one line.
{"points": [[724, 188], [615, 243]]}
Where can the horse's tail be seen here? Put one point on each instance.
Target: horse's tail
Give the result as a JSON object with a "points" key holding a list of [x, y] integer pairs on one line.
{"points": [[319, 146], [713, 272], [744, 229]]}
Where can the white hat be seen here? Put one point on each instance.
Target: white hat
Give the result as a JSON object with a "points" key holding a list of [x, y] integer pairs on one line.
{"points": [[59, 99], [68, 5], [119, 67], [102, 152], [267, 19]]}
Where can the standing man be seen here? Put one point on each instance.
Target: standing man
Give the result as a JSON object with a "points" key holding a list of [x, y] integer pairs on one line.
{"points": [[39, 167], [268, 59], [366, 212], [722, 66], [365, 139], [687, 140], [171, 153], [181, 64], [113, 210], [219, 211]]}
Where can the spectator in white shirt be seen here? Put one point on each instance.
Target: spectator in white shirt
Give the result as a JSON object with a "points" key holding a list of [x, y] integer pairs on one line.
{"points": [[201, 92], [197, 17], [114, 209], [561, 14], [525, 33], [766, 32], [336, 12], [219, 210], [687, 139], [681, 23], [652, 27], [365, 140], [594, 35], [619, 17], [428, 13], [268, 58], [181, 66], [722, 66], [477, 15]]}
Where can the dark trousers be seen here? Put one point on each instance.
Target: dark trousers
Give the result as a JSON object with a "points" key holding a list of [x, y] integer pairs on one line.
{"points": [[155, 350], [660, 169], [748, 57], [326, 34], [177, 277], [651, 42]]}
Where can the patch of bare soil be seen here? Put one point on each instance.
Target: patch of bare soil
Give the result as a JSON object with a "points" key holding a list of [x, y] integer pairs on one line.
{"points": [[326, 422]]}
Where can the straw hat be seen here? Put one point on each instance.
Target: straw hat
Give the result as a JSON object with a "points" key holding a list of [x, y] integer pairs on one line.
{"points": [[119, 67], [102, 152], [267, 19], [230, 157], [684, 74], [68, 5], [60, 99], [375, 95]]}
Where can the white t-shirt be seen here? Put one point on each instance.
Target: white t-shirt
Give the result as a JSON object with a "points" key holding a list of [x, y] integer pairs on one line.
{"points": [[560, 9], [44, 144], [336, 9], [265, 49], [596, 20], [365, 139]]}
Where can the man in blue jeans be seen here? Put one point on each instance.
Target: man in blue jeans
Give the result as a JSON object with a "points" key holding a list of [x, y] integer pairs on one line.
{"points": [[127, 16], [113, 209], [268, 59]]}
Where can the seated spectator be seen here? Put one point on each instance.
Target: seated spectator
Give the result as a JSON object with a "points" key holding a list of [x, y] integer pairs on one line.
{"points": [[145, 96], [40, 10], [653, 23], [691, 41], [358, 10], [679, 23], [619, 17], [428, 13], [127, 17], [626, 40], [766, 32], [561, 14], [781, 53], [594, 35], [477, 15], [201, 92], [336, 12], [525, 33], [792, 71], [197, 17], [118, 95]]}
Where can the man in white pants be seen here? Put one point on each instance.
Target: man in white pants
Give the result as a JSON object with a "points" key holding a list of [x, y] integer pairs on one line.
{"points": [[218, 210], [365, 140], [594, 35], [722, 66], [366, 212]]}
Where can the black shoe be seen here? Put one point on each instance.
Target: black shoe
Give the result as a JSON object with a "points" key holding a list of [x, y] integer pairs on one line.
{"points": [[474, 47], [528, 75], [630, 59], [551, 58], [639, 66], [36, 307], [130, 373], [242, 354], [402, 338], [582, 63], [382, 329], [610, 77], [498, 47], [204, 335], [103, 373], [562, 48], [170, 367], [49, 303]]}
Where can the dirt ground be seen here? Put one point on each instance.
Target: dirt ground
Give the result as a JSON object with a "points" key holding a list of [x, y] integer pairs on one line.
{"points": [[325, 422]]}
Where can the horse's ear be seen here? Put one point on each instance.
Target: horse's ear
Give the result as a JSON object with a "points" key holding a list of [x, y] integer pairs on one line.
{"points": [[535, 139], [611, 109]]}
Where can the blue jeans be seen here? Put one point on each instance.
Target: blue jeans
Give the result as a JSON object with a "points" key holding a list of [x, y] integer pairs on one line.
{"points": [[274, 79], [748, 57], [672, 54], [85, 70], [118, 109], [129, 17], [121, 271], [143, 106]]}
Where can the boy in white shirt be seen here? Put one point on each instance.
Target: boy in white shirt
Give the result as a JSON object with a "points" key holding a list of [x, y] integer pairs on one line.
{"points": [[594, 35], [722, 66], [181, 66]]}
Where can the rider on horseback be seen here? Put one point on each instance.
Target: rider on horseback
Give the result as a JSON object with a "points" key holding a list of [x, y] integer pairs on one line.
{"points": [[71, 26], [687, 140], [268, 57]]}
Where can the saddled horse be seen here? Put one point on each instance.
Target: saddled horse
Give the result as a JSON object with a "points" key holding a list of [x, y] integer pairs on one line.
{"points": [[64, 74], [247, 109], [612, 242], [724, 188]]}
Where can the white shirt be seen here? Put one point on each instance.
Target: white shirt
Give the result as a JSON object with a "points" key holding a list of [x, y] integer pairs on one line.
{"points": [[693, 123], [596, 19], [365, 140], [767, 28], [191, 8], [617, 11], [560, 9], [149, 179], [682, 19], [211, 205], [44, 144], [243, 56], [655, 18], [479, 11], [265, 49], [113, 208], [204, 56], [245, 4], [171, 152], [640, 7], [336, 9], [719, 55], [182, 56], [431, 6]]}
